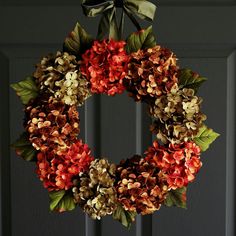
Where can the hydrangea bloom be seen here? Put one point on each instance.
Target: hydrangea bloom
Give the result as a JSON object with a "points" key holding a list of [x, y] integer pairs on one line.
{"points": [[58, 172], [53, 68], [73, 89], [139, 188], [105, 66], [179, 163], [59, 76], [177, 116], [151, 73], [52, 125], [95, 191]]}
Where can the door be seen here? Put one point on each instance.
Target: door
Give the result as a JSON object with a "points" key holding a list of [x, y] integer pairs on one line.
{"points": [[203, 35]]}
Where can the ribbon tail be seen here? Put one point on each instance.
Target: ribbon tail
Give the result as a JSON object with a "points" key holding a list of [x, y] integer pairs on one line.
{"points": [[121, 26], [102, 27], [132, 18], [108, 25], [113, 29]]}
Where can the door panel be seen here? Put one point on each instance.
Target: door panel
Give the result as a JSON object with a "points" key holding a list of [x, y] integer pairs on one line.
{"points": [[206, 204], [203, 35]]}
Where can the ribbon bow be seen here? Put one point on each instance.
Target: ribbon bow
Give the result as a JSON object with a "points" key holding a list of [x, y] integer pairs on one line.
{"points": [[108, 24]]}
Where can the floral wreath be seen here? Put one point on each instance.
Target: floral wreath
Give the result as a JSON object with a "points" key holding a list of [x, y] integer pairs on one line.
{"points": [[110, 65]]}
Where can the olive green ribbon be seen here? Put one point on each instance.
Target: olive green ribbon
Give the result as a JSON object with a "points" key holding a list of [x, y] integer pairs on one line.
{"points": [[143, 9]]}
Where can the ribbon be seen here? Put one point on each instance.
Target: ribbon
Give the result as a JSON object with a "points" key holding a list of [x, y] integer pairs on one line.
{"points": [[142, 9]]}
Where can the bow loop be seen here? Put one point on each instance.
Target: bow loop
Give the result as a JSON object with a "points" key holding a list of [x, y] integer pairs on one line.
{"points": [[93, 8], [143, 9]]}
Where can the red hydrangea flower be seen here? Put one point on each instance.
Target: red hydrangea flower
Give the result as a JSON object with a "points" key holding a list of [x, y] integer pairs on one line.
{"points": [[105, 65], [179, 163], [58, 172]]}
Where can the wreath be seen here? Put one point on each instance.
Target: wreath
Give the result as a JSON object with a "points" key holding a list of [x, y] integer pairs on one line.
{"points": [[110, 65]]}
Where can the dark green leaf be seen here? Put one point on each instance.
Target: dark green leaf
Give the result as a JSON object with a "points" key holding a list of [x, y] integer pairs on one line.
{"points": [[61, 201], [140, 40], [126, 218], [24, 148], [189, 79], [176, 198], [78, 41], [26, 89], [205, 137]]}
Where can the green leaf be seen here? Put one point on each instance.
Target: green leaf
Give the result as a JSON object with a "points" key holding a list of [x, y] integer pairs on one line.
{"points": [[61, 201], [189, 79], [205, 137], [77, 41], [176, 198], [140, 40], [24, 148], [126, 218], [26, 89]]}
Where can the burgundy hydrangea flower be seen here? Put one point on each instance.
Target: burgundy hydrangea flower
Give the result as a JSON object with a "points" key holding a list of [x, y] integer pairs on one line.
{"points": [[151, 73], [179, 163], [52, 125], [105, 66], [139, 188], [58, 172]]}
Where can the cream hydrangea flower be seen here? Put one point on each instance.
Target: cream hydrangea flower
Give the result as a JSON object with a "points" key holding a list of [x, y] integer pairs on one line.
{"points": [[59, 75], [94, 191], [177, 116], [72, 89]]}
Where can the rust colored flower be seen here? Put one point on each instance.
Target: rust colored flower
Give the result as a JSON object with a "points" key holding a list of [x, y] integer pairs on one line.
{"points": [[179, 163], [58, 172], [139, 189], [105, 66], [52, 125], [151, 73]]}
